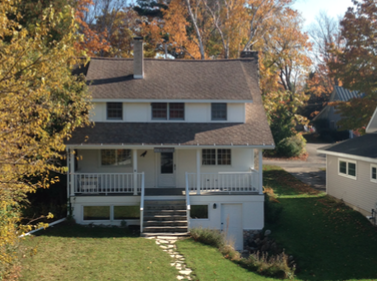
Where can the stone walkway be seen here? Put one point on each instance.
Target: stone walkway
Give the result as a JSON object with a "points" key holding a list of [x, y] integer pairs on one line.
{"points": [[167, 244]]}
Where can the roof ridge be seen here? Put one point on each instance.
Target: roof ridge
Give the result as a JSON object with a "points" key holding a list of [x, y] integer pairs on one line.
{"points": [[175, 60]]}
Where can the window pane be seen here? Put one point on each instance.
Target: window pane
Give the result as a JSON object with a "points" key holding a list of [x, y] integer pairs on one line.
{"points": [[123, 157], [107, 157], [159, 111], [352, 169], [166, 162], [218, 111], [126, 212], [374, 173], [342, 167], [199, 212], [223, 157], [96, 212], [176, 111], [114, 110], [209, 157]]}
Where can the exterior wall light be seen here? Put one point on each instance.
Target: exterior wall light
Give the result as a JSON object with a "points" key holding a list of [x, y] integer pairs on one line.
{"points": [[214, 206]]}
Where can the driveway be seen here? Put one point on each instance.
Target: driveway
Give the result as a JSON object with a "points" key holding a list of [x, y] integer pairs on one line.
{"points": [[312, 171]]}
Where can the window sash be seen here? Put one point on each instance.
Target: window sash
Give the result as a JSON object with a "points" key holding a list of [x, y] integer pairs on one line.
{"points": [[168, 111], [373, 173], [116, 157], [219, 111], [114, 110], [220, 157], [347, 168]]}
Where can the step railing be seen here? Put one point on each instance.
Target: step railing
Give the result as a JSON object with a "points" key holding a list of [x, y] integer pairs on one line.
{"points": [[224, 182], [188, 205], [94, 183], [142, 193]]}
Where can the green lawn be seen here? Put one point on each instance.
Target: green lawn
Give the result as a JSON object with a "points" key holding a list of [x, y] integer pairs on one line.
{"points": [[73, 252], [329, 240]]}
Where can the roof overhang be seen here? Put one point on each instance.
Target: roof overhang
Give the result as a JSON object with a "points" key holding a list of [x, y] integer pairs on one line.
{"points": [[346, 155], [170, 100]]}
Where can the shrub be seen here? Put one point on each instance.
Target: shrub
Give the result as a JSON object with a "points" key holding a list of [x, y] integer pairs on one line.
{"points": [[292, 146], [208, 236]]}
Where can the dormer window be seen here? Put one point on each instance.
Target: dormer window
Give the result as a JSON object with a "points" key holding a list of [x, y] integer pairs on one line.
{"points": [[168, 111], [218, 111], [114, 111]]}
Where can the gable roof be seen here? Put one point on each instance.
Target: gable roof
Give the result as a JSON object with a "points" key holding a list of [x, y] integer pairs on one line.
{"points": [[364, 146], [372, 125], [236, 80]]}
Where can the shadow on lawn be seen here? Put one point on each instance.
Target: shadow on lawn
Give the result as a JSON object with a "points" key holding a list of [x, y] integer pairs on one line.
{"points": [[70, 229], [329, 240]]}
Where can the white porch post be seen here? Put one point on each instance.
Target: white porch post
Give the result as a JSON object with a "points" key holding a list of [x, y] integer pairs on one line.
{"points": [[260, 158], [71, 169], [134, 163], [198, 171], [252, 159]]}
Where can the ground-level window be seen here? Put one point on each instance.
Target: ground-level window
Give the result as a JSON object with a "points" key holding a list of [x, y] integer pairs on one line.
{"points": [[92, 213], [116, 157], [199, 212], [114, 110], [168, 111], [373, 173], [216, 157], [347, 168]]}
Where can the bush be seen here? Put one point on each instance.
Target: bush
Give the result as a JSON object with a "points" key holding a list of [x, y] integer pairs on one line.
{"points": [[208, 236], [292, 146]]}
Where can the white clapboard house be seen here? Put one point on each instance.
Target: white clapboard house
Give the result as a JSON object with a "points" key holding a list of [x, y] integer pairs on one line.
{"points": [[173, 145]]}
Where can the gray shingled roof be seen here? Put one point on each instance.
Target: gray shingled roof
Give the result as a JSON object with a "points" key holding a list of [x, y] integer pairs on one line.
{"points": [[345, 95], [255, 131], [174, 79], [365, 146]]}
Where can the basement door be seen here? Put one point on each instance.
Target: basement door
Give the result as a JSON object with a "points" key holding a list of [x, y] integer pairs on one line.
{"points": [[231, 224], [166, 176]]}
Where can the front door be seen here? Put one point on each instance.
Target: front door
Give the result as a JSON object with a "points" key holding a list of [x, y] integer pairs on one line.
{"points": [[167, 170], [231, 224]]}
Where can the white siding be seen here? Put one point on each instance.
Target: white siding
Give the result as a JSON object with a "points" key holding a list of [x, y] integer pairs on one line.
{"points": [[360, 193], [194, 113]]}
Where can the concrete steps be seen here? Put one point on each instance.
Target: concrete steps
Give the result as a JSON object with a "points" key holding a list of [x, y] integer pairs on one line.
{"points": [[164, 217]]}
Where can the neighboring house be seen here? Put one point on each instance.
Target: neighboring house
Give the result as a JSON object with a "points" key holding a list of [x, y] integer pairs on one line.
{"points": [[328, 112], [351, 169], [172, 139]]}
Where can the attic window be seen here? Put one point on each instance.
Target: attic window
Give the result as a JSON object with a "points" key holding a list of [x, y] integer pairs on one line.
{"points": [[168, 111], [114, 111], [218, 111]]}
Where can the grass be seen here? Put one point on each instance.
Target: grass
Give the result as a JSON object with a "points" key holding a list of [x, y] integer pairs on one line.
{"points": [[73, 252], [209, 264], [329, 240]]}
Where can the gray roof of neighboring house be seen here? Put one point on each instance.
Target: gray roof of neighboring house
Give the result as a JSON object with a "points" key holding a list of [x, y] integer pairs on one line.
{"points": [[255, 131], [112, 78], [343, 94], [365, 146]]}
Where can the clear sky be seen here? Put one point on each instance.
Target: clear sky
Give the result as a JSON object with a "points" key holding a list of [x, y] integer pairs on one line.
{"points": [[311, 8]]}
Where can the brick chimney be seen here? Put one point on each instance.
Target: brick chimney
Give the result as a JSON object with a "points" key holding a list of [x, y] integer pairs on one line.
{"points": [[249, 54], [138, 58]]}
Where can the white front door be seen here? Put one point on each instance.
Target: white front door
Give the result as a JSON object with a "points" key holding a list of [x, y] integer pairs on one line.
{"points": [[231, 224], [166, 170]]}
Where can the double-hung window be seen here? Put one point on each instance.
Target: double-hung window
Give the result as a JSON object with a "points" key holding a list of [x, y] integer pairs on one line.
{"points": [[216, 157], [347, 168], [218, 111], [168, 111], [114, 110], [373, 173], [116, 157]]}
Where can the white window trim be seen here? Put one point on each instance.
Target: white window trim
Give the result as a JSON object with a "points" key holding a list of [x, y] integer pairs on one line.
{"points": [[168, 113], [226, 113], [207, 219], [372, 166], [346, 175], [111, 212], [125, 166], [216, 163], [112, 118]]}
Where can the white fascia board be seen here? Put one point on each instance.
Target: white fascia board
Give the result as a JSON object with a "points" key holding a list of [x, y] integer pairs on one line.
{"points": [[170, 100], [369, 130], [349, 156], [95, 146]]}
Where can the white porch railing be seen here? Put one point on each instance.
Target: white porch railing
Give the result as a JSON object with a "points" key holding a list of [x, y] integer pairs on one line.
{"points": [[188, 204], [224, 182], [93, 183], [142, 203]]}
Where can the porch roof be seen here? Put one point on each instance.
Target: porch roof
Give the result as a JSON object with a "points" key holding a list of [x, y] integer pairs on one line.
{"points": [[255, 132]]}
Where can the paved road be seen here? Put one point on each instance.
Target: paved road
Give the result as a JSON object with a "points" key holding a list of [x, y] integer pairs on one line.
{"points": [[312, 171]]}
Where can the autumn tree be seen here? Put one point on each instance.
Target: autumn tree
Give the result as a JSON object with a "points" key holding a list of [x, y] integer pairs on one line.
{"points": [[357, 63], [41, 103]]}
